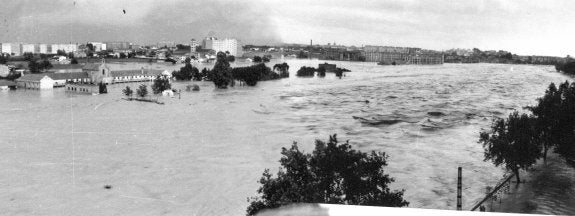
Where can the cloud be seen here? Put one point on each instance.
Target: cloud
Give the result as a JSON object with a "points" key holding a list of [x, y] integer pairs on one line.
{"points": [[145, 21]]}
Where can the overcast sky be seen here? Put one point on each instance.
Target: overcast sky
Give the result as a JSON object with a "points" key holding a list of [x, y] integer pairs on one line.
{"points": [[520, 26]]}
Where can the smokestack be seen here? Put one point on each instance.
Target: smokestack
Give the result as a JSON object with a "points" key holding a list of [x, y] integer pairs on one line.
{"points": [[311, 42]]}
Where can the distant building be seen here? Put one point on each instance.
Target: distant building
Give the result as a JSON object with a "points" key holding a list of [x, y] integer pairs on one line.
{"points": [[167, 44], [117, 45], [67, 48], [45, 48], [12, 48], [30, 48], [401, 55], [98, 46], [222, 45]]}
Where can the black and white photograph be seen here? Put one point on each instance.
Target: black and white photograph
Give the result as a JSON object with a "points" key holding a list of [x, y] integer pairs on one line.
{"points": [[294, 107]]}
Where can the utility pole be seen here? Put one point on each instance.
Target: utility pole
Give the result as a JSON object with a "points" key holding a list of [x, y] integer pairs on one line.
{"points": [[459, 189]]}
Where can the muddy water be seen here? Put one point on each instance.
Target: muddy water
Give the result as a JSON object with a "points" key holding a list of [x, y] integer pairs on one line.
{"points": [[204, 152]]}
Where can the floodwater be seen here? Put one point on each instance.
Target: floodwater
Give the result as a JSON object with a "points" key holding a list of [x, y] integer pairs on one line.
{"points": [[203, 153]]}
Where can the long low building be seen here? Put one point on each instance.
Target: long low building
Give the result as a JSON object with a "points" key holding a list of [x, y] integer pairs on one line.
{"points": [[92, 75]]}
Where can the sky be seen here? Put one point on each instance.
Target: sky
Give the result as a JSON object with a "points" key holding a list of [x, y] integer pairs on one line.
{"points": [[527, 27]]}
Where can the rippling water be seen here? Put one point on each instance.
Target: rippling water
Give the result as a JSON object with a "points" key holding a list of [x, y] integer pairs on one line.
{"points": [[203, 154]]}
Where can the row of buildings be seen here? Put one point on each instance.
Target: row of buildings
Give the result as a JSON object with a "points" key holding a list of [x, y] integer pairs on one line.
{"points": [[17, 49], [386, 55], [87, 79]]}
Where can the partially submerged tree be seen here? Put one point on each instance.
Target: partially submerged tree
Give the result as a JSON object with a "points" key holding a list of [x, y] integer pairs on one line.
{"points": [[283, 69], [512, 143], [222, 72], [142, 91], [334, 173], [128, 92], [161, 83]]}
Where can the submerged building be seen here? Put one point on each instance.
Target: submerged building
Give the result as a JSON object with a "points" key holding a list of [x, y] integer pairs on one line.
{"points": [[91, 74]]}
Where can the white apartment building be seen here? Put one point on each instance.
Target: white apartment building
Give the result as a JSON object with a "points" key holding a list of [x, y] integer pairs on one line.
{"points": [[12, 48], [222, 45], [45, 48], [30, 48], [98, 46], [68, 48]]}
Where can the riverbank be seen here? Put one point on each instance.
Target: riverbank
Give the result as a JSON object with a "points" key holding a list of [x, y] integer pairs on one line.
{"points": [[547, 188]]}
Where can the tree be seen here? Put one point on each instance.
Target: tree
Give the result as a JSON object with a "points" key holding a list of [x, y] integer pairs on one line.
{"points": [[128, 92], [257, 59], [45, 65], [305, 71], [3, 59], [33, 66], [90, 47], [512, 142], [283, 69], [161, 83], [266, 59], [142, 91], [334, 173], [231, 58], [61, 52], [547, 111], [28, 56], [222, 72], [321, 72], [185, 73]]}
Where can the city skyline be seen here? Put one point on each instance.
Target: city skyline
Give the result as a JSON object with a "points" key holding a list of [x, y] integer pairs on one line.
{"points": [[522, 27]]}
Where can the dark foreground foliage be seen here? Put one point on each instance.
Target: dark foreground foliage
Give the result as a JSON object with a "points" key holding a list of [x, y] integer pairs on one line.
{"points": [[333, 173]]}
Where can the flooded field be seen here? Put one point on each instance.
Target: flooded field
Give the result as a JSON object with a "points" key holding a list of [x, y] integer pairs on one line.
{"points": [[203, 153]]}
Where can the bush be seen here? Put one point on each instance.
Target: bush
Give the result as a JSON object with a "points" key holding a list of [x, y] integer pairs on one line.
{"points": [[305, 71], [334, 173]]}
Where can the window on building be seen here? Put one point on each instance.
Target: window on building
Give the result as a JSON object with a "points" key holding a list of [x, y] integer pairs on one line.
{"points": [[103, 71]]}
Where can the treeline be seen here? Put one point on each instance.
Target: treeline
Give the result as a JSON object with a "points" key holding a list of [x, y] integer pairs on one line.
{"points": [[223, 75], [333, 173], [519, 140]]}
